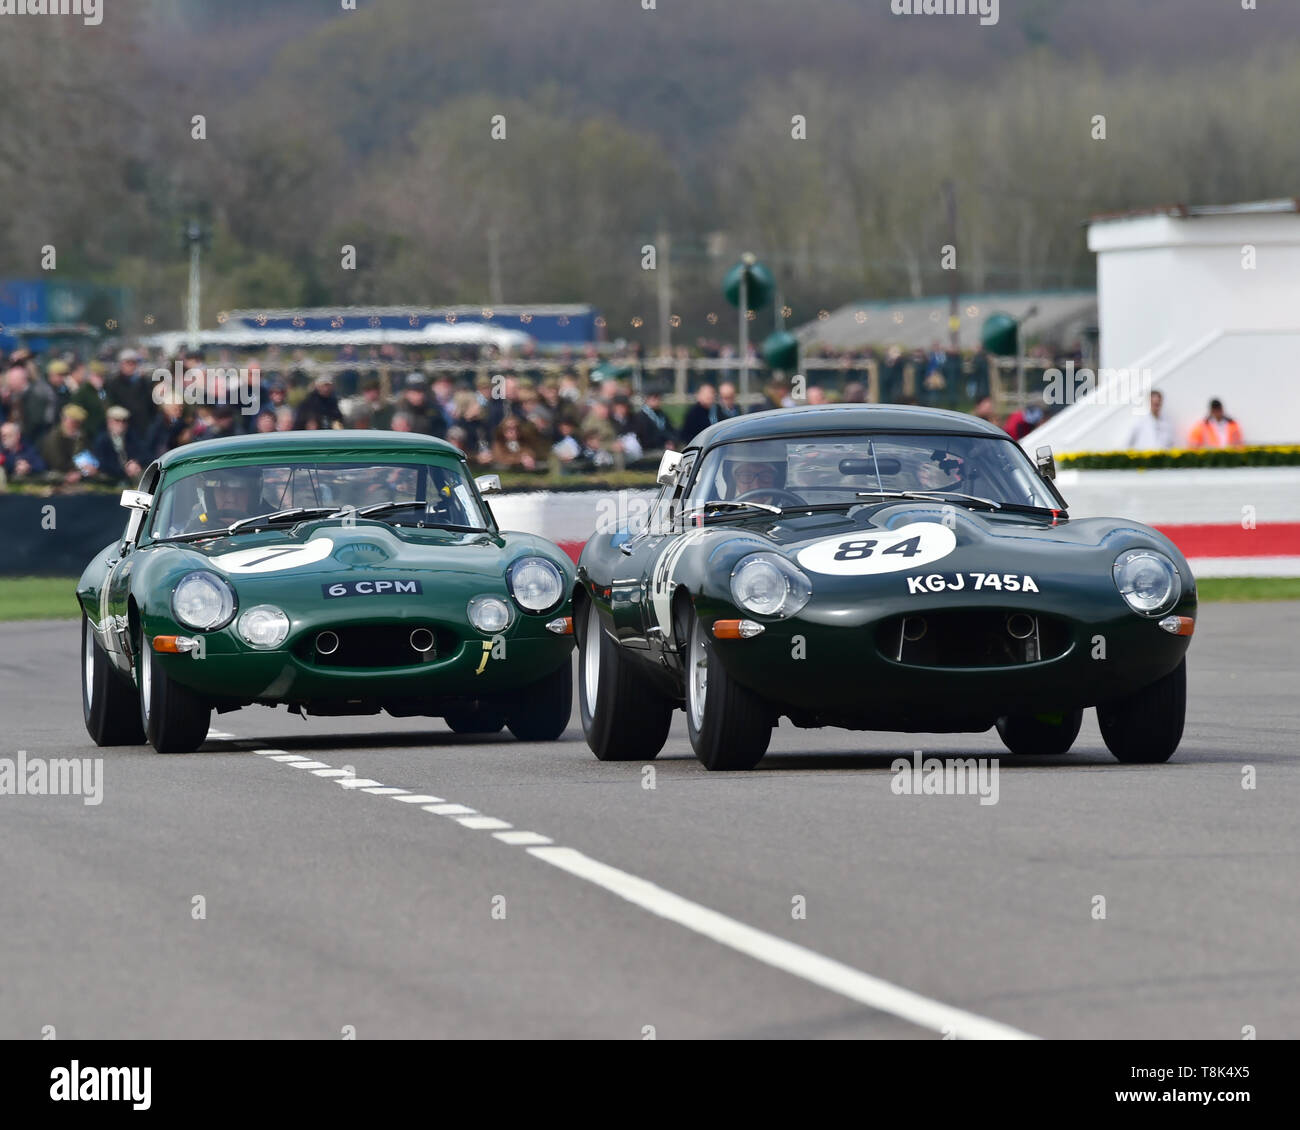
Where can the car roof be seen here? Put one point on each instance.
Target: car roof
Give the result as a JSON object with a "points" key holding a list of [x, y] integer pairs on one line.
{"points": [[835, 418], [305, 444]]}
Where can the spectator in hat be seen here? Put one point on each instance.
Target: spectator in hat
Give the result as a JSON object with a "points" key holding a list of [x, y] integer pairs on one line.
{"points": [[413, 401], [1019, 424], [56, 374], [1153, 432], [652, 428], [92, 396], [1216, 430], [362, 409], [18, 457], [31, 402], [117, 450], [321, 404], [130, 388], [63, 444]]}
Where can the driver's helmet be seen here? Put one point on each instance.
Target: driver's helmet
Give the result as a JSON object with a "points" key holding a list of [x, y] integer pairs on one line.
{"points": [[750, 467], [228, 494], [942, 469]]}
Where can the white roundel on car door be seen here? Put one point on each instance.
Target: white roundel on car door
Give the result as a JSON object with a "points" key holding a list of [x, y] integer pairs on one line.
{"points": [[879, 551], [274, 558]]}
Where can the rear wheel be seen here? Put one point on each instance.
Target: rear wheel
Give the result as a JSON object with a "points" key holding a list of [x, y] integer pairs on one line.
{"points": [[1145, 728], [729, 726], [175, 719], [110, 709], [543, 709], [1040, 734], [470, 721], [623, 719]]}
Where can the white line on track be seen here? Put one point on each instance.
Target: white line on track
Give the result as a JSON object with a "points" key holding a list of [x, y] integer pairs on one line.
{"points": [[789, 957]]}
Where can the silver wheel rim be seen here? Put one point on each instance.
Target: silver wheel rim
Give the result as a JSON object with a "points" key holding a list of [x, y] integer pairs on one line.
{"points": [[88, 665], [146, 681], [591, 658], [698, 683]]}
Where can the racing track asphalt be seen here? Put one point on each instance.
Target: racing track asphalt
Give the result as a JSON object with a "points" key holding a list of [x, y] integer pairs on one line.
{"points": [[328, 907]]}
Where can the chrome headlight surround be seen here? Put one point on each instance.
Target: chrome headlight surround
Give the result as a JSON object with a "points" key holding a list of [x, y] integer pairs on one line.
{"points": [[768, 584], [203, 601], [489, 614], [263, 626], [536, 584], [1148, 580]]}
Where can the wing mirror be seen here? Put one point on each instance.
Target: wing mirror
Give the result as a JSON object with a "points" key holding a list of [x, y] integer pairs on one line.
{"points": [[137, 500], [488, 484], [1046, 464], [668, 466]]}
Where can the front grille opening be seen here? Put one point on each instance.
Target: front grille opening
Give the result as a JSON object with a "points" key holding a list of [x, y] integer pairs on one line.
{"points": [[401, 644], [983, 637]]}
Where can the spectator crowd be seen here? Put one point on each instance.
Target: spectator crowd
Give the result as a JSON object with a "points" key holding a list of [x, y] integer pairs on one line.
{"points": [[65, 420]]}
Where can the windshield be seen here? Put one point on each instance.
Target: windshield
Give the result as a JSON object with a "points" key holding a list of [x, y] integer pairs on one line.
{"points": [[213, 499], [837, 469]]}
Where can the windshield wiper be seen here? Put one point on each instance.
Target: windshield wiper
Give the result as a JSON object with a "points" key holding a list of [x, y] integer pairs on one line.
{"points": [[932, 496], [765, 507], [411, 504], [279, 516]]}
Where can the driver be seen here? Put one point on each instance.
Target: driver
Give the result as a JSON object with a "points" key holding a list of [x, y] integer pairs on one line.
{"points": [[225, 496], [943, 471], [756, 475]]}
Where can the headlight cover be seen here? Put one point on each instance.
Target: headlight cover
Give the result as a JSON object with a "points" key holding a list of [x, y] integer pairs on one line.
{"points": [[489, 614], [203, 601], [767, 584], [536, 584], [264, 626], [1147, 580]]}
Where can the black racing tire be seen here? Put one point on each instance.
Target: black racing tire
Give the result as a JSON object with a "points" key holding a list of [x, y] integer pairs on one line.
{"points": [[1034, 735], [468, 721], [175, 719], [729, 726], [1146, 727], [542, 711], [108, 702], [623, 719]]}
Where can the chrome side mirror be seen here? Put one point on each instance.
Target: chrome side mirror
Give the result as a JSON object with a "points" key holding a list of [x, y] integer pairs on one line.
{"points": [[668, 466], [488, 484], [136, 500], [1046, 464]]}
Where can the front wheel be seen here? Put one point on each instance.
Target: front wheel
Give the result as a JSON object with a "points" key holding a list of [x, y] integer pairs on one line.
{"points": [[623, 719], [542, 711], [729, 726], [1145, 728], [1027, 735], [175, 719], [110, 710]]}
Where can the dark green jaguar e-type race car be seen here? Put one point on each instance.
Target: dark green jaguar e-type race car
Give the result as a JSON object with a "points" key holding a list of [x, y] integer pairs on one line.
{"points": [[883, 568], [341, 572]]}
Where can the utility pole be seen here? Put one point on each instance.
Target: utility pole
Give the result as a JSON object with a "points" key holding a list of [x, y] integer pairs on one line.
{"points": [[664, 288], [195, 237], [494, 266], [954, 291]]}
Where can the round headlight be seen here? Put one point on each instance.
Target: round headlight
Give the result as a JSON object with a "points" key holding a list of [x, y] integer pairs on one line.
{"points": [[489, 614], [1147, 580], [264, 626], [203, 601], [536, 584], [768, 585]]}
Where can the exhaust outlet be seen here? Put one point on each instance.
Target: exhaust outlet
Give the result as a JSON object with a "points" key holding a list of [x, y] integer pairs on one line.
{"points": [[422, 640], [327, 643], [914, 628], [1020, 626]]}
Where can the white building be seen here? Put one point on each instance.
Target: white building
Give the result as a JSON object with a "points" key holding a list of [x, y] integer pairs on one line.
{"points": [[1207, 299]]}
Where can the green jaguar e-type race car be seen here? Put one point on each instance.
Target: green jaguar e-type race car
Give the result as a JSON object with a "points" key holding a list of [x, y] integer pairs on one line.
{"points": [[876, 567], [332, 572]]}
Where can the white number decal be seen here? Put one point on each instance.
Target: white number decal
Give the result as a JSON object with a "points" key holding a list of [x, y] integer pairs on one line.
{"points": [[879, 551]]}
